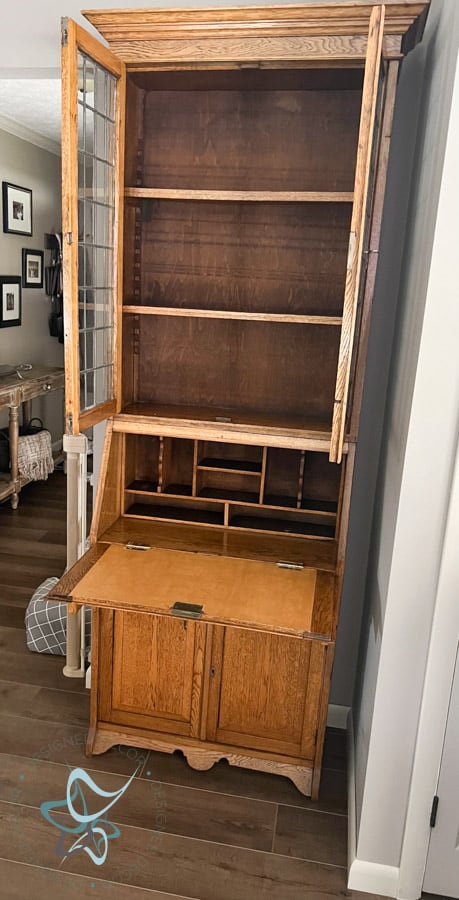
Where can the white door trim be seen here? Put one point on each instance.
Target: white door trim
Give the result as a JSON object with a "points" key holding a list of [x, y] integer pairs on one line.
{"points": [[434, 708]]}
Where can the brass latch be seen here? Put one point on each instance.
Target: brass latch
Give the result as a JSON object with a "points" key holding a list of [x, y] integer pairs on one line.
{"points": [[187, 610]]}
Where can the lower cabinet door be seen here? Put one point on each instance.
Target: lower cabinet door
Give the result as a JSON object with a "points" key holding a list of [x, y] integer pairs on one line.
{"points": [[150, 671], [266, 691]]}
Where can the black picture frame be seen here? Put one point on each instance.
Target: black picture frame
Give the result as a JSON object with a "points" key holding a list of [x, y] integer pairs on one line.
{"points": [[10, 301], [32, 268], [17, 209]]}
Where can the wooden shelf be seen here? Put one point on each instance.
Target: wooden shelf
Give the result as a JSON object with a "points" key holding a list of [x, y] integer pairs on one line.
{"points": [[240, 466], [145, 193], [248, 544], [223, 424], [298, 319]]}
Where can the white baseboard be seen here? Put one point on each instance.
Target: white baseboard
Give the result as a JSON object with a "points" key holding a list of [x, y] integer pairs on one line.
{"points": [[337, 716], [369, 877], [373, 878]]}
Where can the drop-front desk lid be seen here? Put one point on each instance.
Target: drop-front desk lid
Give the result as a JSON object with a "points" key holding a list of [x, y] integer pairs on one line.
{"points": [[268, 596]]}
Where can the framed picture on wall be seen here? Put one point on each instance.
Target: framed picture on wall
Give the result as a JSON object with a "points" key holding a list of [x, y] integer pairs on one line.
{"points": [[10, 301], [17, 209], [32, 268]]}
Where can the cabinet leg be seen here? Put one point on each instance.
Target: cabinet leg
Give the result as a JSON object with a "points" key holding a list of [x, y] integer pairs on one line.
{"points": [[14, 501]]}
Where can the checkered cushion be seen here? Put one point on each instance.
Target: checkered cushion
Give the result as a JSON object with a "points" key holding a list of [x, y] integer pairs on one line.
{"points": [[46, 622]]}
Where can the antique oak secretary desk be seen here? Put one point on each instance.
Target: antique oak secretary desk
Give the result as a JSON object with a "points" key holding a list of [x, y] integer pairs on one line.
{"points": [[224, 174]]}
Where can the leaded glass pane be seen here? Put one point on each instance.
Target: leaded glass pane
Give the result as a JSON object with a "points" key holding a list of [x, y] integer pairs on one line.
{"points": [[96, 231]]}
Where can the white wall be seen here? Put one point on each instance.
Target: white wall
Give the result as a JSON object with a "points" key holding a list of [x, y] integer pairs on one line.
{"points": [[415, 468], [28, 166]]}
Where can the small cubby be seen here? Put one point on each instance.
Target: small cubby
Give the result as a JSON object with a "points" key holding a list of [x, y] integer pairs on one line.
{"points": [[162, 507], [176, 466], [321, 483], [239, 486], [142, 462], [283, 472]]}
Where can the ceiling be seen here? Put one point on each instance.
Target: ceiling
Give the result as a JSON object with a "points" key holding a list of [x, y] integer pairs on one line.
{"points": [[30, 47]]}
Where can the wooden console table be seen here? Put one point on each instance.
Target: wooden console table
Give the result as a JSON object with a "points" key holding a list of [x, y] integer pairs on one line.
{"points": [[16, 391]]}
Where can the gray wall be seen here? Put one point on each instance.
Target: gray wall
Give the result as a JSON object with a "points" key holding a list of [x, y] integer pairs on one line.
{"points": [[420, 435], [29, 166]]}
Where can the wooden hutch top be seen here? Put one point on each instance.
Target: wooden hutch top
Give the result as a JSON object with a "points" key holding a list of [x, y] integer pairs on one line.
{"points": [[324, 31]]}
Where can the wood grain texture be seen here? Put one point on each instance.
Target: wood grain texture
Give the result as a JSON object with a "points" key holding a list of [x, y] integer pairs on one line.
{"points": [[175, 864], [70, 227], [169, 684], [317, 554], [234, 820], [219, 363], [229, 425], [107, 506], [156, 193], [78, 39], [243, 257], [361, 199], [238, 591], [310, 835], [203, 757], [262, 691], [256, 144], [351, 15], [231, 314]]}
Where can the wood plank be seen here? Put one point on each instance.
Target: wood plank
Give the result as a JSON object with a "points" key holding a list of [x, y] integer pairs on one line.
{"points": [[232, 426], [200, 869], [70, 226], [357, 236], [291, 49], [48, 705], [26, 880], [232, 820], [231, 314], [307, 834], [152, 193], [318, 554], [34, 739], [202, 364], [240, 256], [236, 591]]}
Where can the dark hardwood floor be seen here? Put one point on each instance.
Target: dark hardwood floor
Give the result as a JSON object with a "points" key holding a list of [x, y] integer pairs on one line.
{"points": [[226, 834]]}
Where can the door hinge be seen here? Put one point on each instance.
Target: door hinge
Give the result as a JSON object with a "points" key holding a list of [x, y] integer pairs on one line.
{"points": [[433, 812], [69, 420], [69, 237], [64, 31], [132, 546], [297, 567]]}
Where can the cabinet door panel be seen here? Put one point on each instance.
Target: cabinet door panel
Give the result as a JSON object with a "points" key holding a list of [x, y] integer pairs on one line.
{"points": [[355, 274], [157, 666], [93, 91], [265, 701]]}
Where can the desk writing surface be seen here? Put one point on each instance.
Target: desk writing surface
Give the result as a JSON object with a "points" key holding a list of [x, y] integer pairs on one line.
{"points": [[236, 591]]}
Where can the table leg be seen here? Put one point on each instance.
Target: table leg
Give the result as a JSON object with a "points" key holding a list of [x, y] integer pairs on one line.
{"points": [[14, 436]]}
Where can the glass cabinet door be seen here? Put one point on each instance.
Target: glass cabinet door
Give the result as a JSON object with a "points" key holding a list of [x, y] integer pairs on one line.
{"points": [[368, 138], [93, 92]]}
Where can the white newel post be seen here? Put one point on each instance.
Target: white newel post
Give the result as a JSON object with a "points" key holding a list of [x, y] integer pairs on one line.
{"points": [[76, 448]]}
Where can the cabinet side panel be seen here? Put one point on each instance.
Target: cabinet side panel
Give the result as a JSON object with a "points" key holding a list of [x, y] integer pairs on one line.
{"points": [[107, 507]]}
